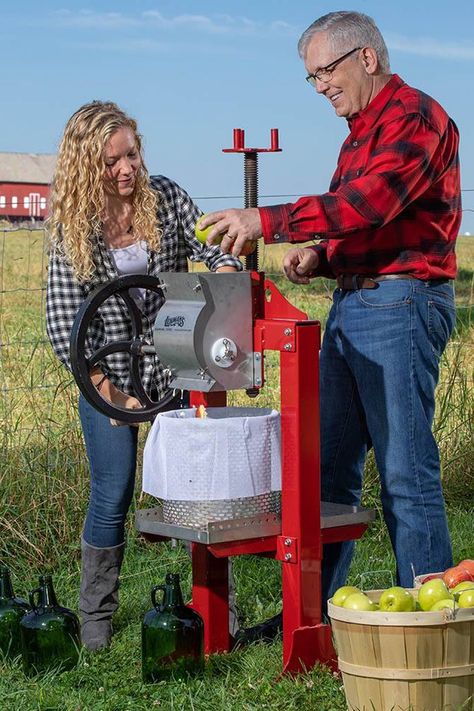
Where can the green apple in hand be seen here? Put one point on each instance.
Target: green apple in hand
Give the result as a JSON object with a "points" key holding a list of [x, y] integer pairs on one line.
{"points": [[201, 235], [359, 601], [396, 599], [341, 594], [432, 591]]}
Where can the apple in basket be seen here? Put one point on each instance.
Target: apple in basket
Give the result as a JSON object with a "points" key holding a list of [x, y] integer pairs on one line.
{"points": [[466, 599], [396, 599], [359, 601], [431, 592], [341, 594], [446, 604], [457, 574], [465, 585], [467, 564], [431, 576]]}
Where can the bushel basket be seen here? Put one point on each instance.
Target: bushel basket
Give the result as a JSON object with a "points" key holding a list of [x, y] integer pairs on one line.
{"points": [[405, 661]]}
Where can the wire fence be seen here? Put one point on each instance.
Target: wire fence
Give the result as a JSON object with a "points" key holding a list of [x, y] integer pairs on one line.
{"points": [[41, 448], [28, 367]]}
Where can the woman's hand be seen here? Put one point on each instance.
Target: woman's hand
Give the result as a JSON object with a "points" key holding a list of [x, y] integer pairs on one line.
{"points": [[121, 399], [115, 396]]}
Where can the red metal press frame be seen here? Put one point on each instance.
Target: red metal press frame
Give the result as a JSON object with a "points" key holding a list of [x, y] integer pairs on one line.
{"points": [[279, 326]]}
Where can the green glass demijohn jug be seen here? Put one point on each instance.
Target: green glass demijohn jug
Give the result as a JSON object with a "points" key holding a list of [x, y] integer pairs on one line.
{"points": [[12, 610], [172, 636], [50, 636]]}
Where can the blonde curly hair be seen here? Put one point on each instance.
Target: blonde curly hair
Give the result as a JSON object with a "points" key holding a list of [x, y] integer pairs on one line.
{"points": [[77, 192]]}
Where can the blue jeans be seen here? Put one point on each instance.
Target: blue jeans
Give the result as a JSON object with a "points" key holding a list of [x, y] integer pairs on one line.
{"points": [[112, 454], [379, 370]]}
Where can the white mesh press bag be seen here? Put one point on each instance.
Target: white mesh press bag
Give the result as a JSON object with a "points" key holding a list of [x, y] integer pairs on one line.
{"points": [[223, 466]]}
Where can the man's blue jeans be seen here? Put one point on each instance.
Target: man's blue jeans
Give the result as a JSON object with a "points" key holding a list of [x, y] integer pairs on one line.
{"points": [[379, 370]]}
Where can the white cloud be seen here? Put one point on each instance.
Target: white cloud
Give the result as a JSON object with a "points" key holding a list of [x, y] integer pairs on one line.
{"points": [[219, 24], [142, 45], [94, 20], [193, 22], [429, 47]]}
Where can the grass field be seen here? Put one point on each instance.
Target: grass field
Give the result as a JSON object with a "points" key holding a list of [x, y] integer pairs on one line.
{"points": [[43, 476]]}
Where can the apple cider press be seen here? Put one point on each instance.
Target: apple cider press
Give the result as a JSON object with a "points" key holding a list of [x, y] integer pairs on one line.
{"points": [[261, 495]]}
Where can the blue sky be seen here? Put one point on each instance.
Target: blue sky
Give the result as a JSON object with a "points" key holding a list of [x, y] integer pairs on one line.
{"points": [[190, 72]]}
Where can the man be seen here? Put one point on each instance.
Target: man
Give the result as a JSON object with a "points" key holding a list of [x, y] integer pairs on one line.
{"points": [[386, 230]]}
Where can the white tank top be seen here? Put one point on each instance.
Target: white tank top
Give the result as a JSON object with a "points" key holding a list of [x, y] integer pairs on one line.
{"points": [[132, 260]]}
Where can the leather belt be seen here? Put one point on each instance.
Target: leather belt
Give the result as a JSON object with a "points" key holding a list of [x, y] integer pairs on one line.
{"points": [[353, 282]]}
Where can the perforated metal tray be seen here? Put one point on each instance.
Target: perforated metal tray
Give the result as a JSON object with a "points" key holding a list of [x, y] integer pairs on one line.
{"points": [[261, 525], [197, 514]]}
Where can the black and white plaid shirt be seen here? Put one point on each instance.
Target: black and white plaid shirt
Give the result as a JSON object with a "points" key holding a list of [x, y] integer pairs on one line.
{"points": [[177, 215]]}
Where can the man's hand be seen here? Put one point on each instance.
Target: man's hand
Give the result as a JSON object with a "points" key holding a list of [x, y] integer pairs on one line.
{"points": [[298, 264], [238, 228]]}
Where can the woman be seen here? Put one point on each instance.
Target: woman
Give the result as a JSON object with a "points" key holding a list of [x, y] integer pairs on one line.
{"points": [[108, 218]]}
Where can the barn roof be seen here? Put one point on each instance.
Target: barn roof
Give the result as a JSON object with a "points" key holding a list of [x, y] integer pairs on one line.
{"points": [[27, 167]]}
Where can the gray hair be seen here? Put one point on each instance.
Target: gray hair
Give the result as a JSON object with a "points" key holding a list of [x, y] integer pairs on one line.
{"points": [[347, 30]]}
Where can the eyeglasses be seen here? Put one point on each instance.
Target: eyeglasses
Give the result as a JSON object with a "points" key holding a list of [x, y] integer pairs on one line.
{"points": [[325, 73]]}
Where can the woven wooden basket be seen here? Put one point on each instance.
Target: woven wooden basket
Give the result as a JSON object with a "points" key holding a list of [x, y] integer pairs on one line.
{"points": [[405, 661]]}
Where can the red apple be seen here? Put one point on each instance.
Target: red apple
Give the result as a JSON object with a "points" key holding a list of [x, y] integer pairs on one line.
{"points": [[456, 575], [431, 576], [467, 564]]}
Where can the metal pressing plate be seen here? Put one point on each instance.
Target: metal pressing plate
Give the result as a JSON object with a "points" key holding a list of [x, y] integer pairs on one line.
{"points": [[258, 526], [237, 529], [333, 515]]}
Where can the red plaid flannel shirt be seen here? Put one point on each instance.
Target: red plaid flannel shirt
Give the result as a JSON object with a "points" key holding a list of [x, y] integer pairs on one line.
{"points": [[394, 203]]}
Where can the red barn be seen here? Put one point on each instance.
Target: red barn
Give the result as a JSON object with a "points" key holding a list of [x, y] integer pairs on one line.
{"points": [[24, 185]]}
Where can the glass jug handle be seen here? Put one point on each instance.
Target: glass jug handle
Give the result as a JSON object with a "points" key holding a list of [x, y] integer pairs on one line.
{"points": [[31, 597], [154, 590]]}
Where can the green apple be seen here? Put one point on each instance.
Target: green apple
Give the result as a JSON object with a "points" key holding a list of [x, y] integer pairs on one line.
{"points": [[432, 591], [342, 593], [201, 235], [396, 599], [359, 601], [446, 604], [461, 587], [466, 599]]}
